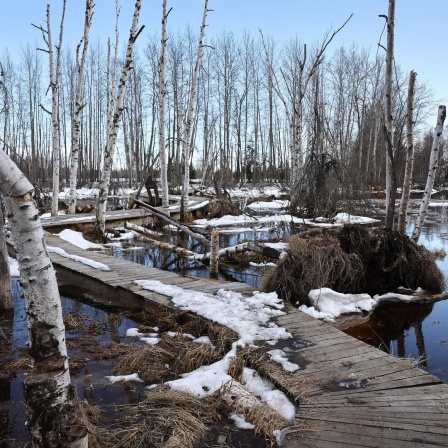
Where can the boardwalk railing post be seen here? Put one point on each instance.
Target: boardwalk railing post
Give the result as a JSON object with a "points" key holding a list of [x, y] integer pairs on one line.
{"points": [[214, 254]]}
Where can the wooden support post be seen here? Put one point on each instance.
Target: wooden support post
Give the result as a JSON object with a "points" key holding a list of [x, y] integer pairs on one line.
{"points": [[214, 254]]}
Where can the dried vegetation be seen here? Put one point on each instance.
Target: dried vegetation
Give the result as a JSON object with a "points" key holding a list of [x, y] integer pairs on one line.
{"points": [[354, 260]]}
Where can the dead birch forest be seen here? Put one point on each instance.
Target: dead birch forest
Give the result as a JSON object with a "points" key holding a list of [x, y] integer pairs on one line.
{"points": [[247, 87]]}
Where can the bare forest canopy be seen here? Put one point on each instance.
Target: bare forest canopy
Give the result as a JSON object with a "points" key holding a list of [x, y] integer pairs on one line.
{"points": [[241, 130]]}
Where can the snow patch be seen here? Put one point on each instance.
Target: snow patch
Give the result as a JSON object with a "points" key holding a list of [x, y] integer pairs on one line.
{"points": [[86, 261], [280, 357], [77, 239], [124, 378], [328, 304], [13, 267], [246, 315]]}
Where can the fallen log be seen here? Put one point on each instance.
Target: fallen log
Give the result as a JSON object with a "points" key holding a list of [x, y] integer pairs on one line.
{"points": [[168, 246], [173, 222], [268, 252], [141, 229]]}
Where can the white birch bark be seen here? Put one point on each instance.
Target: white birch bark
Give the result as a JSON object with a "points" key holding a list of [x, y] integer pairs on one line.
{"points": [[186, 138], [388, 119], [162, 113], [6, 297], [431, 174], [51, 411], [55, 75], [409, 154], [167, 246], [76, 125], [214, 254], [115, 125]]}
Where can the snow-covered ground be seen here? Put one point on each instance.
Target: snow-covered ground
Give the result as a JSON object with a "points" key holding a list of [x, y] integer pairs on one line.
{"points": [[263, 206], [338, 221], [328, 304], [87, 193]]}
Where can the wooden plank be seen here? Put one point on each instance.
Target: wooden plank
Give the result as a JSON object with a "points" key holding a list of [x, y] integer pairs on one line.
{"points": [[366, 437]]}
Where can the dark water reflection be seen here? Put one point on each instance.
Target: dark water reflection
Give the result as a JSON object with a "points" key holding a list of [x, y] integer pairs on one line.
{"points": [[90, 382], [240, 272]]}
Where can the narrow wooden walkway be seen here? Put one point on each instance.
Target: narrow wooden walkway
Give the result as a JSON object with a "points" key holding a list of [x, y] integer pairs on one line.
{"points": [[349, 394], [117, 217], [117, 285], [357, 395]]}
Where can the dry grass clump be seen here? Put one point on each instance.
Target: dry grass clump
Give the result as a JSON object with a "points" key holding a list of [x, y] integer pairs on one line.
{"points": [[9, 368], [218, 208], [222, 337], [83, 324], [175, 354], [167, 320], [183, 322], [165, 418], [353, 260]]}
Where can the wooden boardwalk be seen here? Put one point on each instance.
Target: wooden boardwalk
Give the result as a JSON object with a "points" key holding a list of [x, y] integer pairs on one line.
{"points": [[117, 218], [117, 286], [357, 395], [350, 394]]}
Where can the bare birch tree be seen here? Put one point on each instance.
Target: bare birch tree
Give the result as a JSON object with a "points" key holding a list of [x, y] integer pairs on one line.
{"points": [[409, 154], [76, 124], [52, 413], [55, 76], [433, 162], [391, 176], [297, 82], [162, 111], [115, 125], [186, 137]]}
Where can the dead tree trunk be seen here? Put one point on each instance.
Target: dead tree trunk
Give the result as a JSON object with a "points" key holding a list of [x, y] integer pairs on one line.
{"points": [[55, 76], [180, 251], [431, 174], [113, 131], [409, 155], [391, 184], [6, 298], [162, 113], [186, 138], [78, 105], [53, 418]]}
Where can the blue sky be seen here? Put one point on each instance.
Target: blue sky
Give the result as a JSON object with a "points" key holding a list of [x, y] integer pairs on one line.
{"points": [[421, 39]]}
